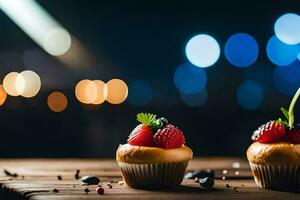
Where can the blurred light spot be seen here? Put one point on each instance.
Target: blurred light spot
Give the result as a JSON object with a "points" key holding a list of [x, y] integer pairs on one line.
{"points": [[287, 28], [195, 100], [280, 53], [10, 82], [38, 24], [202, 50], [140, 93], [3, 95], [287, 79], [28, 83], [116, 91], [100, 96], [260, 73], [241, 50], [86, 91], [250, 95], [57, 101], [190, 79], [57, 41]]}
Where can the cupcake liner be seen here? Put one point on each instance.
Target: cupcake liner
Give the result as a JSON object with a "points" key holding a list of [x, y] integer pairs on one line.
{"points": [[283, 177], [160, 175]]}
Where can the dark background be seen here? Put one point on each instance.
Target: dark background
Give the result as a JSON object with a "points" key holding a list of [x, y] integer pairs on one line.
{"points": [[138, 40]]}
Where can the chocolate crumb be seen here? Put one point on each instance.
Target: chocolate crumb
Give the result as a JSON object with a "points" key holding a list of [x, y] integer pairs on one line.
{"points": [[8, 173], [59, 177], [110, 186], [227, 185], [235, 189], [55, 190], [86, 190], [77, 174]]}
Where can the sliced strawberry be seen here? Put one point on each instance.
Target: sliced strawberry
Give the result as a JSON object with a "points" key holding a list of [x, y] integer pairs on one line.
{"points": [[270, 132], [169, 137], [141, 136], [293, 136]]}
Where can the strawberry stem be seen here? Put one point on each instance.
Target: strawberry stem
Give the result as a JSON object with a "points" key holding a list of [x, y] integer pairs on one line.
{"points": [[291, 108]]}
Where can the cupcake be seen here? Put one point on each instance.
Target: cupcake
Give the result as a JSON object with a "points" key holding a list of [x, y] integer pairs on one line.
{"points": [[274, 157], [155, 156]]}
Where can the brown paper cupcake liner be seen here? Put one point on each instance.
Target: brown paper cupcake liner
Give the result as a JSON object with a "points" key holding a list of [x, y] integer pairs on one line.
{"points": [[153, 176], [279, 177]]}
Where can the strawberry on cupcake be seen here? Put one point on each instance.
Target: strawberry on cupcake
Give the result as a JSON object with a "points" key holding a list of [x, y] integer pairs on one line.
{"points": [[274, 156], [155, 155]]}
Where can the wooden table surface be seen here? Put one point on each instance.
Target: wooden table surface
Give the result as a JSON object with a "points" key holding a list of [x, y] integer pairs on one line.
{"points": [[38, 177]]}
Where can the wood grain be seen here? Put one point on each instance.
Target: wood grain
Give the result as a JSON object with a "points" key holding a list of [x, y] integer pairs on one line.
{"points": [[38, 177]]}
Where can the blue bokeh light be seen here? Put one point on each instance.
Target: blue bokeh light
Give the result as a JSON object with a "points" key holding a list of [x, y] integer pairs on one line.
{"points": [[190, 79], [287, 28], [250, 95], [195, 100], [287, 79], [241, 50], [280, 53], [140, 93], [202, 50]]}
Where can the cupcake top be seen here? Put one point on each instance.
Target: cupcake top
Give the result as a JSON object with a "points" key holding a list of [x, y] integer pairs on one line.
{"points": [[277, 141], [274, 154], [154, 140]]}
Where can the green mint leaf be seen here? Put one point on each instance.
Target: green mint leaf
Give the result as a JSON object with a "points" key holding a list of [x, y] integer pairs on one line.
{"points": [[146, 118], [285, 112]]}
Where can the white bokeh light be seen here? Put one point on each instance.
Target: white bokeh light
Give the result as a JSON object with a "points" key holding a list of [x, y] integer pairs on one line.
{"points": [[287, 28], [202, 50], [28, 83]]}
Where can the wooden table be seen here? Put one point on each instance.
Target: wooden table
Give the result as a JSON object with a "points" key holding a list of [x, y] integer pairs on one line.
{"points": [[38, 177]]}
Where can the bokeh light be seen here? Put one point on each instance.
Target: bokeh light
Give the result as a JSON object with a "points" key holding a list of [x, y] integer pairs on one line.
{"points": [[140, 93], [86, 91], [195, 100], [100, 89], [287, 28], [241, 50], [286, 79], [3, 95], [280, 53], [116, 91], [202, 50], [28, 83], [57, 101], [190, 79], [250, 95], [10, 84], [57, 41]]}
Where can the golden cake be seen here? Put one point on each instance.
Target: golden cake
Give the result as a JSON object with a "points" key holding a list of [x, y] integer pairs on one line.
{"points": [[155, 156]]}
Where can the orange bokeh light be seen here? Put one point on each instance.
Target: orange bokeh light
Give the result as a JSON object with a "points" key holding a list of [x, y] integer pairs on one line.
{"points": [[57, 101], [116, 91], [100, 97], [3, 95]]}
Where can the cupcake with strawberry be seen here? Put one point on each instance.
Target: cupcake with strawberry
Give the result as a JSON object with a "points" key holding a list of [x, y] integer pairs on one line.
{"points": [[274, 156], [155, 155]]}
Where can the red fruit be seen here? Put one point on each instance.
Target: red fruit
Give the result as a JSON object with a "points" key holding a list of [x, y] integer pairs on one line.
{"points": [[141, 136], [270, 132], [100, 190], [293, 136], [169, 137]]}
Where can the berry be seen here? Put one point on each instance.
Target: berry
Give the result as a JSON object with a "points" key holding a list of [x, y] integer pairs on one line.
{"points": [[207, 183], [270, 132], [162, 122], [293, 136], [100, 190], [141, 136], [169, 137]]}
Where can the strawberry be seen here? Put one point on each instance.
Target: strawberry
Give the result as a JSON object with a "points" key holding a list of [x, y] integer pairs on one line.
{"points": [[293, 135], [270, 132], [141, 136], [169, 137]]}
